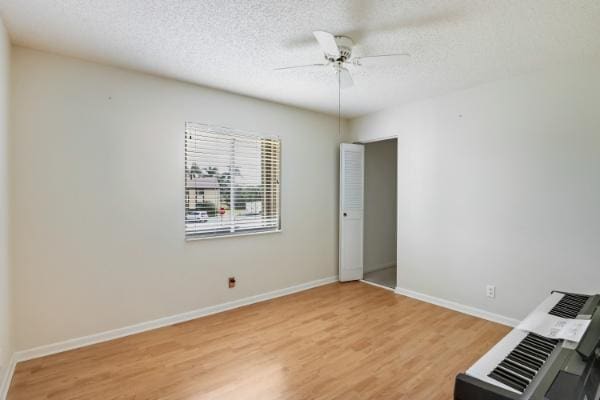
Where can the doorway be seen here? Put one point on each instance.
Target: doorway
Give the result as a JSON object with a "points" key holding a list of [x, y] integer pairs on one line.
{"points": [[380, 203]]}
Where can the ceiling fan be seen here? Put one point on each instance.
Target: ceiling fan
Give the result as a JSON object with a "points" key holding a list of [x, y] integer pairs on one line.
{"points": [[338, 56]]}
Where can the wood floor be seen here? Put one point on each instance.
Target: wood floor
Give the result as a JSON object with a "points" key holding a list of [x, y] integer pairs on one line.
{"points": [[340, 341]]}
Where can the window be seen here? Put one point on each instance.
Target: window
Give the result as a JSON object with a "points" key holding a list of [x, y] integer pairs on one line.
{"points": [[231, 182]]}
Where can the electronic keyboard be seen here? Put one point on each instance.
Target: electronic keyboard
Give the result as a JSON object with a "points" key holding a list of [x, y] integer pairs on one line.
{"points": [[527, 366]]}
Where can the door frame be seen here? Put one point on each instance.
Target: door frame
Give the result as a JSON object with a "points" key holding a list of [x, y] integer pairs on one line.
{"points": [[374, 140]]}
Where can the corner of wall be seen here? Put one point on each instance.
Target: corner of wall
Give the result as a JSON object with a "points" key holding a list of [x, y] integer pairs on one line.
{"points": [[7, 360]]}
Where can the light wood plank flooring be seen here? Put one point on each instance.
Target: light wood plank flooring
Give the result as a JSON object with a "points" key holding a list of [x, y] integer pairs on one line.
{"points": [[340, 341]]}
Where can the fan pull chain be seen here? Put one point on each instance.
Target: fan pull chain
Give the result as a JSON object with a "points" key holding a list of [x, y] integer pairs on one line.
{"points": [[340, 102]]}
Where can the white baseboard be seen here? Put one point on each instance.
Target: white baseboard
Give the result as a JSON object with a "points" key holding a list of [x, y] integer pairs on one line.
{"points": [[476, 312], [6, 377], [162, 322], [377, 285]]}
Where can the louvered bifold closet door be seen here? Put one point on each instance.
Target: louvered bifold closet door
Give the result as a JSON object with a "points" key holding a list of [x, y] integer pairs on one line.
{"points": [[232, 182], [351, 211]]}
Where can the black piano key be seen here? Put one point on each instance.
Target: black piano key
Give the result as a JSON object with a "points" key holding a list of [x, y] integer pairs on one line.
{"points": [[507, 380], [517, 380], [580, 297], [531, 361], [539, 345], [574, 304], [544, 346], [531, 341], [515, 367], [559, 310], [562, 314], [540, 339], [526, 371], [574, 299], [569, 302], [574, 308], [512, 376], [521, 359], [577, 295], [541, 354], [547, 347], [566, 306], [536, 350], [582, 301], [552, 342], [531, 351], [525, 353]]}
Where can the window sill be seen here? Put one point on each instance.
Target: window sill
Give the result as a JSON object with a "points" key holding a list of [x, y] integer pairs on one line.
{"points": [[194, 238]]}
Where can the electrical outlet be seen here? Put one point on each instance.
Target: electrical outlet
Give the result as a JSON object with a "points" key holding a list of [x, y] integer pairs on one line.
{"points": [[231, 282], [490, 291]]}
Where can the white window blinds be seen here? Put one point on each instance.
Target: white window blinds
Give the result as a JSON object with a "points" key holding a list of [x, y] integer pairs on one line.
{"points": [[231, 182]]}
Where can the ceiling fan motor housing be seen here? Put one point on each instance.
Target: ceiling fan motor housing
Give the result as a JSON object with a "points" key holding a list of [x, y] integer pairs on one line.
{"points": [[345, 45]]}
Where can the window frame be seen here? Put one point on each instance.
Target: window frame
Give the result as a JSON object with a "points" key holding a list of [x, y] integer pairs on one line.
{"points": [[244, 232]]}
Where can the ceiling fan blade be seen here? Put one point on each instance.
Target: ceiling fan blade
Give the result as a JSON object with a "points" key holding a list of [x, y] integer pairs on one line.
{"points": [[345, 78], [382, 59], [327, 42], [300, 67]]}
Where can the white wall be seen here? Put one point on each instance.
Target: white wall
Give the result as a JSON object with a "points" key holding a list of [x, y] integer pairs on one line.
{"points": [[380, 205], [499, 184], [98, 195], [5, 272]]}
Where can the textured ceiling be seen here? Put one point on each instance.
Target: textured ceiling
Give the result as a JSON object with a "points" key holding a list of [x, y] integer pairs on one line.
{"points": [[234, 45]]}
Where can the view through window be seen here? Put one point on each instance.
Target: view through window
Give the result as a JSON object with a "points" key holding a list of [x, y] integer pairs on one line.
{"points": [[231, 182]]}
